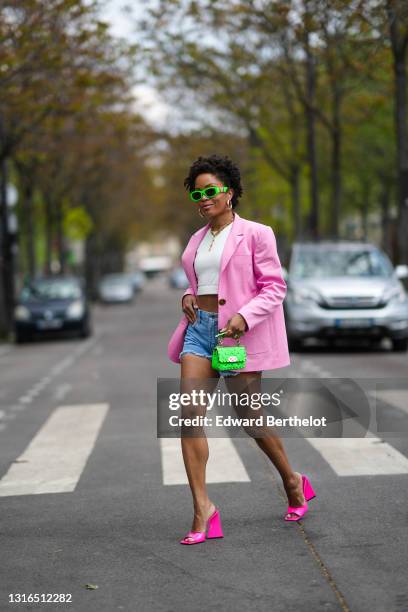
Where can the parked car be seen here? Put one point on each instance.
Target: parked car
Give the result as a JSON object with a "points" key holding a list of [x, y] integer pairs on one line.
{"points": [[116, 288], [138, 279], [338, 289], [54, 303], [155, 265], [178, 279]]}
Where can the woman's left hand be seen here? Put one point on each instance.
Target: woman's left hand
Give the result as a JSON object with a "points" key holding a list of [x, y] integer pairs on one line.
{"points": [[235, 327]]}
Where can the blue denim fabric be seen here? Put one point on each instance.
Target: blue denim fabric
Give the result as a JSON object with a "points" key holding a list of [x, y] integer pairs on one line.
{"points": [[200, 338]]}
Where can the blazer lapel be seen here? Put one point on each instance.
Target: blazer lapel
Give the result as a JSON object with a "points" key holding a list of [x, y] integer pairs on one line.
{"points": [[234, 238]]}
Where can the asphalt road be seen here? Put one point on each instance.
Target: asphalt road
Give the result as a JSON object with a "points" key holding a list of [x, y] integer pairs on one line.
{"points": [[90, 496]]}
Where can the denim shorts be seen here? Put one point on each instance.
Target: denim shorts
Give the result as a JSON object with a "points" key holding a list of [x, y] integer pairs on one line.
{"points": [[200, 338]]}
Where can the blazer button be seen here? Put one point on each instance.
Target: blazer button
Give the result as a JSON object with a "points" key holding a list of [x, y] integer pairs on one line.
{"points": [[221, 302]]}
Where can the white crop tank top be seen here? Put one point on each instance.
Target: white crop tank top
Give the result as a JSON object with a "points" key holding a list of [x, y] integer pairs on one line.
{"points": [[207, 263]]}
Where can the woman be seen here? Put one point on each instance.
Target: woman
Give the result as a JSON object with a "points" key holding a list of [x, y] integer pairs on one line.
{"points": [[236, 285]]}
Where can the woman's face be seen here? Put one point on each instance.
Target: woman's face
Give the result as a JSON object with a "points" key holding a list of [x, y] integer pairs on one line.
{"points": [[218, 204]]}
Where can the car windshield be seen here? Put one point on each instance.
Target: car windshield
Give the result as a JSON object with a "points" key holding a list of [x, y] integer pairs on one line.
{"points": [[57, 290], [326, 262]]}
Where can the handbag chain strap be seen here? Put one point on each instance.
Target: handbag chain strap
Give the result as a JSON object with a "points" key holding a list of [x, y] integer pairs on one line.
{"points": [[220, 339]]}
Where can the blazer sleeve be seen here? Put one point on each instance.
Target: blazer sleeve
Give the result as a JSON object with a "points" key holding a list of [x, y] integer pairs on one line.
{"points": [[269, 278], [188, 291]]}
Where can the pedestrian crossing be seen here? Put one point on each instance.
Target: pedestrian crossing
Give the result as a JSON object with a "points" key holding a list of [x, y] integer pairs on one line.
{"points": [[57, 455], [360, 456], [224, 463]]}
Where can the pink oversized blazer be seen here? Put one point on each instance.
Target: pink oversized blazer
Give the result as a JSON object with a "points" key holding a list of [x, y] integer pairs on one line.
{"points": [[250, 283]]}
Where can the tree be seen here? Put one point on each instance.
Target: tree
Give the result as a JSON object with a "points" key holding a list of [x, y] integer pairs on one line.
{"points": [[397, 13]]}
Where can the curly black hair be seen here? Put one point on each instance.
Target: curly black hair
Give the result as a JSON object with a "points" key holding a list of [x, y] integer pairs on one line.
{"points": [[223, 168]]}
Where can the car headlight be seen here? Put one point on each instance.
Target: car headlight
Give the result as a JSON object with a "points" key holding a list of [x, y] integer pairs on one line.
{"points": [[306, 295], [396, 294], [75, 310], [21, 313]]}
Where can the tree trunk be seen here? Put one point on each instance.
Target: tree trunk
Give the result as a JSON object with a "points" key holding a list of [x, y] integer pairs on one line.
{"points": [[311, 140], [402, 144], [48, 234], [6, 259], [92, 265], [366, 192], [27, 205], [60, 237], [336, 164], [295, 196], [399, 42], [385, 217]]}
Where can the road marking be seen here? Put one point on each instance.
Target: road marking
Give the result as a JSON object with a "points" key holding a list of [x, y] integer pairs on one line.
{"points": [[17, 407], [395, 397], [55, 458], [360, 456], [224, 463], [61, 391], [57, 369], [26, 399], [368, 456], [4, 350]]}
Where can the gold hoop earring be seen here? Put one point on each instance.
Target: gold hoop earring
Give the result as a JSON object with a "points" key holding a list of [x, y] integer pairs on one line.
{"points": [[200, 213]]}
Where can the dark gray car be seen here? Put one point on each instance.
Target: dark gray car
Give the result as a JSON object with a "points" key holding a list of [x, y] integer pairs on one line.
{"points": [[340, 289], [52, 304]]}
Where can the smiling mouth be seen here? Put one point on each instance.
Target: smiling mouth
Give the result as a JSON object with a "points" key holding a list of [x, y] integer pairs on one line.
{"points": [[204, 206]]}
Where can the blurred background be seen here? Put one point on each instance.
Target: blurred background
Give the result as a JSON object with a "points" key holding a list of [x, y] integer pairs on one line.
{"points": [[104, 106]]}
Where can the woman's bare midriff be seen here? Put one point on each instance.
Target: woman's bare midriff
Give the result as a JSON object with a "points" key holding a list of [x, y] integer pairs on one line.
{"points": [[208, 302]]}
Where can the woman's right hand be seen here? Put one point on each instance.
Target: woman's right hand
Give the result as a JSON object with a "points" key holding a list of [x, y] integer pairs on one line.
{"points": [[189, 306]]}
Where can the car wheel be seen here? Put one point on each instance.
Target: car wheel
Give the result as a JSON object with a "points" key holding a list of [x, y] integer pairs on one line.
{"points": [[295, 344], [21, 337], [400, 344], [85, 331]]}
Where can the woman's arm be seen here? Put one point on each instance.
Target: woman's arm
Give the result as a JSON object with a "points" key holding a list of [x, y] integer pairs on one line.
{"points": [[188, 291], [269, 279]]}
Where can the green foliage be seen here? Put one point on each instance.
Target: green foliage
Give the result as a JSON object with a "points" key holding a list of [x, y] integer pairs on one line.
{"points": [[77, 223], [247, 76]]}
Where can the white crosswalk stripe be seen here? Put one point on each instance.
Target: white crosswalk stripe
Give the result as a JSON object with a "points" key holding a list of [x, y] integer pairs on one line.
{"points": [[360, 456], [224, 463], [365, 456], [55, 458], [395, 397]]}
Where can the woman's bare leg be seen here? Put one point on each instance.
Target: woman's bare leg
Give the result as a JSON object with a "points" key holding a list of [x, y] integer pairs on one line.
{"points": [[197, 373], [250, 382]]}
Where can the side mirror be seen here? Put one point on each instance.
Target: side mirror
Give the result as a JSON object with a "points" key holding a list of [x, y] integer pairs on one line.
{"points": [[284, 273], [401, 271]]}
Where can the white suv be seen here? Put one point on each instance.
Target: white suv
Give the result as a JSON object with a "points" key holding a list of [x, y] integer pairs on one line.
{"points": [[338, 289]]}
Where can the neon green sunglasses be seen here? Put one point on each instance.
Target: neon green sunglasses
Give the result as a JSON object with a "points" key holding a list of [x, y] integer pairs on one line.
{"points": [[208, 192]]}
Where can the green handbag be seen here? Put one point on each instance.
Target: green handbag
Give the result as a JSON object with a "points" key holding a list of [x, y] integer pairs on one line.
{"points": [[228, 357]]}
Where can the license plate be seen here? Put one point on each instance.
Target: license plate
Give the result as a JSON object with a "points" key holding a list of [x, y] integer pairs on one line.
{"points": [[354, 322], [53, 324]]}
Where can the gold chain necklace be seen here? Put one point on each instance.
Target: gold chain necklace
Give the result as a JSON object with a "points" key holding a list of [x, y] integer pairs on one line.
{"points": [[216, 232]]}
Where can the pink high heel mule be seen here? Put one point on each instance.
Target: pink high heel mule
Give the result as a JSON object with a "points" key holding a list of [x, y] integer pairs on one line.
{"points": [[300, 511], [213, 529]]}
